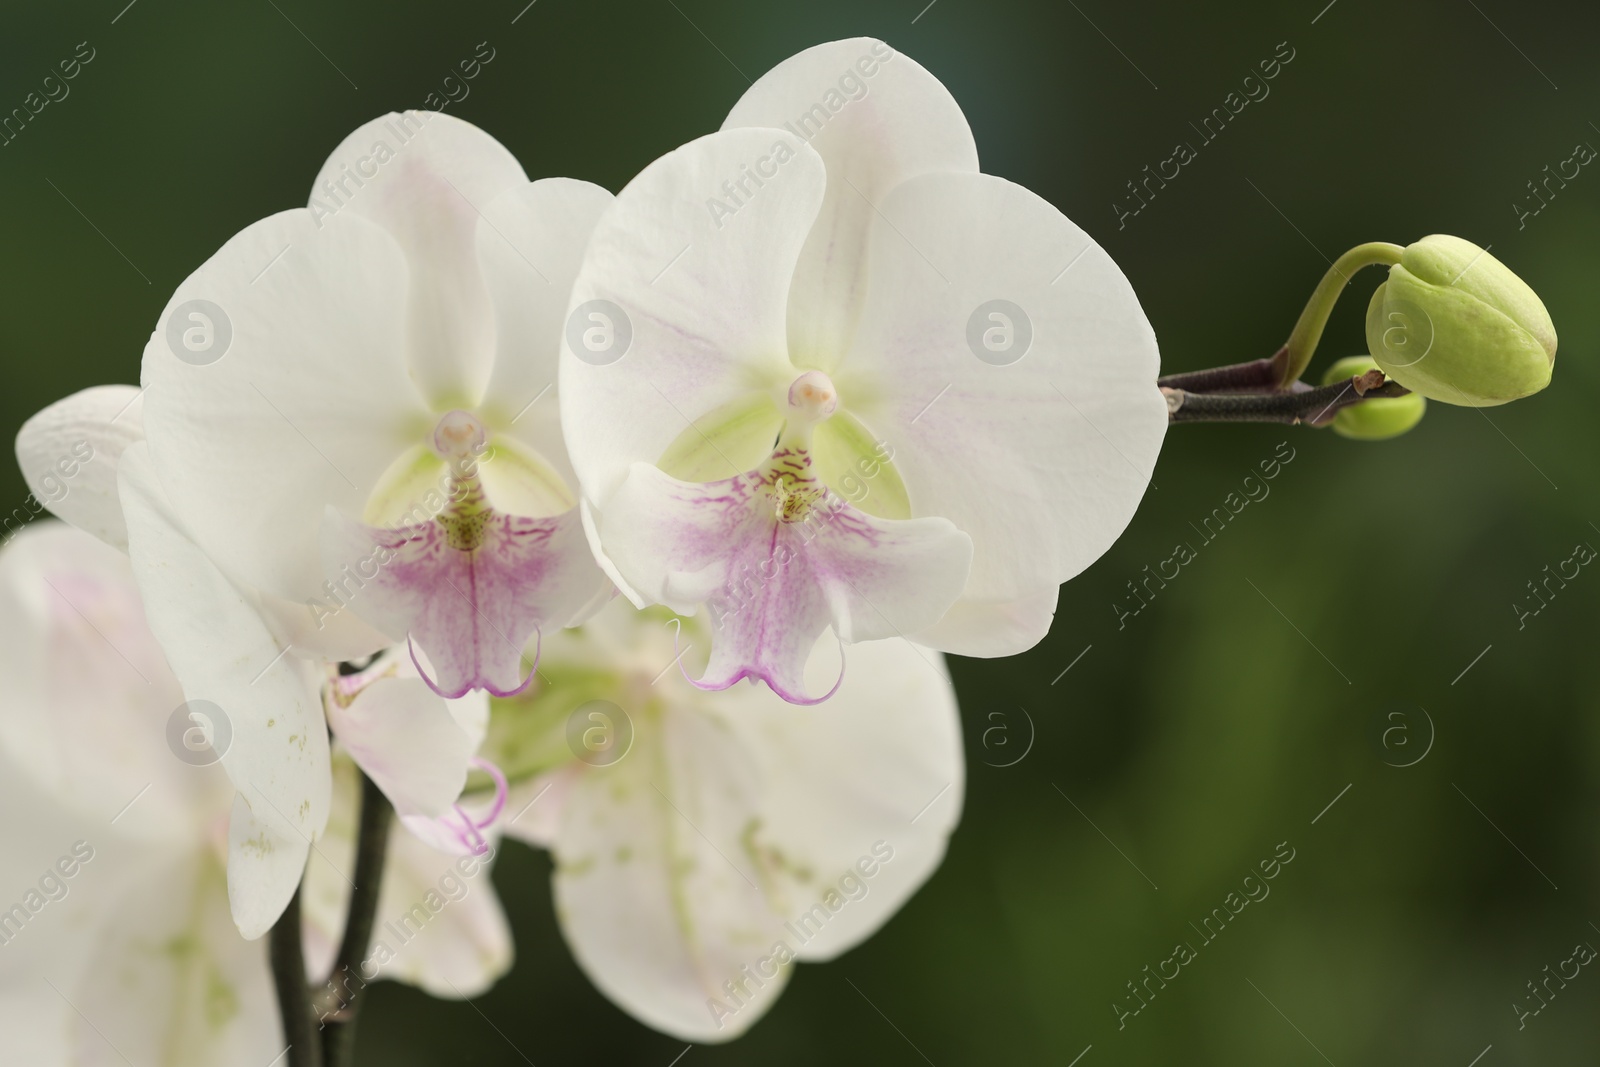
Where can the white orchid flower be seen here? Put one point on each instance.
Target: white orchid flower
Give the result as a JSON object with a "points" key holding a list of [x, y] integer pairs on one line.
{"points": [[346, 405], [705, 841], [865, 386], [118, 947], [239, 652]]}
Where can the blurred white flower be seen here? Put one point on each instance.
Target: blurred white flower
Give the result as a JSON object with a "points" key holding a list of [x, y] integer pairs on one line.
{"points": [[122, 949], [866, 386], [230, 647], [704, 842]]}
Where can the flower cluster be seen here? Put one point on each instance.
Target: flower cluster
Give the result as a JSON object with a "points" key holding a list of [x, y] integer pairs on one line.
{"points": [[811, 376]]}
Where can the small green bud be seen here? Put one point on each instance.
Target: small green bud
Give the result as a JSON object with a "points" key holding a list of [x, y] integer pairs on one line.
{"points": [[1376, 419], [1455, 325]]}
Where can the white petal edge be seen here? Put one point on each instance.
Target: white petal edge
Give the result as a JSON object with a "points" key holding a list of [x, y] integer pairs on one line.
{"points": [[307, 407], [877, 118], [68, 454], [1043, 460], [222, 652], [992, 629], [426, 177], [407, 740]]}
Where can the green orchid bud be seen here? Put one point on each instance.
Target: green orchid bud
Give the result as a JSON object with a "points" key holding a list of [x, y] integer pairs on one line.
{"points": [[1376, 419], [1455, 325]]}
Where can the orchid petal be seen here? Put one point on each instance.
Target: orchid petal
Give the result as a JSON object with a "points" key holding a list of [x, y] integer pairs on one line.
{"points": [[877, 118], [307, 407], [657, 897], [222, 652], [987, 629], [465, 944], [407, 741], [736, 835], [877, 771], [530, 242], [90, 690], [471, 609], [774, 584], [703, 293], [68, 454], [266, 861], [1043, 459], [172, 983], [425, 177]]}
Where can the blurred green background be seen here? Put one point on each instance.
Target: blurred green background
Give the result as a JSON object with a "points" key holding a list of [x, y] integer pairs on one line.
{"points": [[1224, 717]]}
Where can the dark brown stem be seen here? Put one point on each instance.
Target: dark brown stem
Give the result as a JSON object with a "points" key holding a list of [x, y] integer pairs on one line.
{"points": [[287, 953], [1258, 375], [341, 998], [1314, 407]]}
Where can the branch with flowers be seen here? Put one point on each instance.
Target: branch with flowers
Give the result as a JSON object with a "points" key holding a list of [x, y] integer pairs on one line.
{"points": [[413, 605]]}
